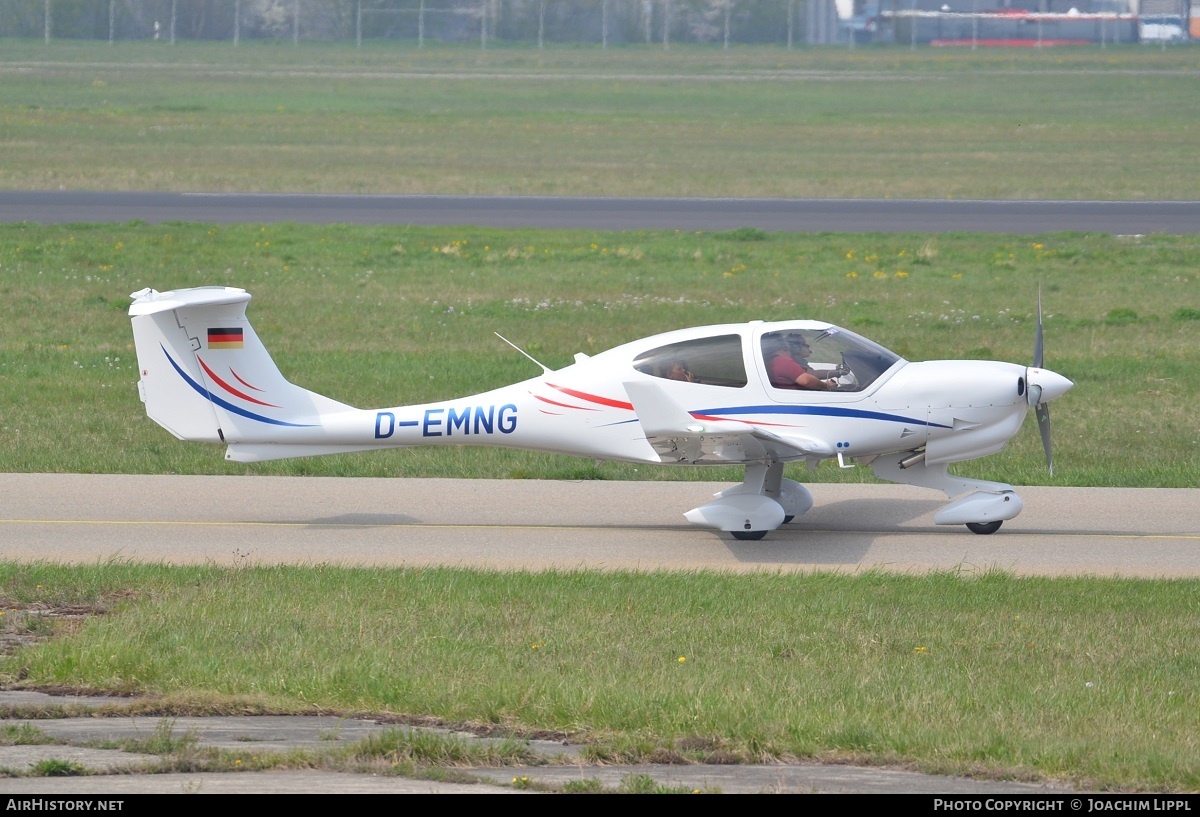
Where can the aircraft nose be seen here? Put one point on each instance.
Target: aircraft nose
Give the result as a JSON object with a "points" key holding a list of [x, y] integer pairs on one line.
{"points": [[1046, 384]]}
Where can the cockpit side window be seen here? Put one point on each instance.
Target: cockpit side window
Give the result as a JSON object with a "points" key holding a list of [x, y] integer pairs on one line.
{"points": [[715, 361]]}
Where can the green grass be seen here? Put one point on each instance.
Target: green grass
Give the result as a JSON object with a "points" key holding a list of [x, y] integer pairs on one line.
{"points": [[1090, 681], [1112, 123], [163, 741], [377, 316], [54, 767], [22, 735], [404, 747]]}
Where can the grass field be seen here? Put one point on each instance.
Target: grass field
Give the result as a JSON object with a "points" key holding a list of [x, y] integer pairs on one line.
{"points": [[1114, 123], [1088, 681], [1091, 682], [387, 316]]}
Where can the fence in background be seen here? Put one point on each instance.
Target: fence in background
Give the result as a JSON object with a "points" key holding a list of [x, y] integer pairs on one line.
{"points": [[723, 23]]}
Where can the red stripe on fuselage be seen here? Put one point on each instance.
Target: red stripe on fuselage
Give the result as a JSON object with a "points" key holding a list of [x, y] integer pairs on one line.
{"points": [[593, 398], [243, 382], [231, 389], [563, 405]]}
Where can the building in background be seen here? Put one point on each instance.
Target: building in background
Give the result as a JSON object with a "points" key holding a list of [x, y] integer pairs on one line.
{"points": [[1016, 22]]}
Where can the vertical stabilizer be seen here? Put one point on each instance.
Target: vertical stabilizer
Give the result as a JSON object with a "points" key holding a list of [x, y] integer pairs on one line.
{"points": [[206, 376]]}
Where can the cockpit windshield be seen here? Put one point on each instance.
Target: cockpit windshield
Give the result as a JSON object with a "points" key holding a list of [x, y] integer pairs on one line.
{"points": [[829, 353]]}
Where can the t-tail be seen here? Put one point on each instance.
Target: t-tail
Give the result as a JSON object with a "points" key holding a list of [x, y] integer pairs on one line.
{"points": [[206, 376]]}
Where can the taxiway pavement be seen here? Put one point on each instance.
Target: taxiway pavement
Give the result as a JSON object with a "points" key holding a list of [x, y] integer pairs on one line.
{"points": [[532, 524], [1023, 217]]}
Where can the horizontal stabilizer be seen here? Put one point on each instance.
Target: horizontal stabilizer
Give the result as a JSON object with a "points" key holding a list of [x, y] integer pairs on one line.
{"points": [[150, 301]]}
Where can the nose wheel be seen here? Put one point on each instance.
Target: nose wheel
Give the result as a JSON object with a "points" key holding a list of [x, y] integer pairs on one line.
{"points": [[985, 528], [748, 535]]}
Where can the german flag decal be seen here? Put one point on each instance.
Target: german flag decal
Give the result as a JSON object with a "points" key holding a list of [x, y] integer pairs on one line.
{"points": [[225, 338]]}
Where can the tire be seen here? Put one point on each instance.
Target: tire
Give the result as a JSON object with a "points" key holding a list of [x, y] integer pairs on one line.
{"points": [[984, 528], [789, 518], [748, 535]]}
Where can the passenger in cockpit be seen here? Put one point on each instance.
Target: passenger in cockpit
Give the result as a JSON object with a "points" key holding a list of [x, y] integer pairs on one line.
{"points": [[678, 370]]}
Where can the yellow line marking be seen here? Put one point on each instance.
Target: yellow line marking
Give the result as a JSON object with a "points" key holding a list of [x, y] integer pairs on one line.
{"points": [[461, 526], [187, 523]]}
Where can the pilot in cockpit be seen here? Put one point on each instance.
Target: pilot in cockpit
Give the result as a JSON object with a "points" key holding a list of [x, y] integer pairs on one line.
{"points": [[787, 364]]}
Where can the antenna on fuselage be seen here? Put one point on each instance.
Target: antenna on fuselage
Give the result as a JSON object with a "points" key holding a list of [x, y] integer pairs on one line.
{"points": [[545, 369]]}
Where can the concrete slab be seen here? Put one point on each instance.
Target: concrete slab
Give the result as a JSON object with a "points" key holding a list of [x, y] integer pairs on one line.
{"points": [[88, 740]]}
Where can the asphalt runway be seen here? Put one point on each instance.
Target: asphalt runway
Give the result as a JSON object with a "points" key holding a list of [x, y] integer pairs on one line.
{"points": [[531, 524], [590, 213]]}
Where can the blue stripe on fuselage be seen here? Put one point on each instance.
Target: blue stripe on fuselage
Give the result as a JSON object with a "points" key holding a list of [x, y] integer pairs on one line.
{"points": [[817, 411], [203, 392]]}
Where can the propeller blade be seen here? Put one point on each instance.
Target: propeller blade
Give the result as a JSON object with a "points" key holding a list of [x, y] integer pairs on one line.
{"points": [[1043, 421], [1035, 390]]}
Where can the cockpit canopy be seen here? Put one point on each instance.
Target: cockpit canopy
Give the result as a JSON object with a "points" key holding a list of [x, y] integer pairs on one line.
{"points": [[721, 358], [830, 350]]}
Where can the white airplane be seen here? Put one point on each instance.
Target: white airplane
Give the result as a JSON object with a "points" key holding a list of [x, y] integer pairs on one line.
{"points": [[748, 394]]}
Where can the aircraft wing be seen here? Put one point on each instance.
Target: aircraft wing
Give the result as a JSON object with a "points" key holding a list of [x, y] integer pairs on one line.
{"points": [[679, 436]]}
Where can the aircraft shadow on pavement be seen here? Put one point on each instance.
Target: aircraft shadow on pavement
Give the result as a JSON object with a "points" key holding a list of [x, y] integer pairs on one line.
{"points": [[841, 533]]}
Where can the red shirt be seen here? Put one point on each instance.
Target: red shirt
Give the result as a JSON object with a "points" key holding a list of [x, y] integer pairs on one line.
{"points": [[785, 371]]}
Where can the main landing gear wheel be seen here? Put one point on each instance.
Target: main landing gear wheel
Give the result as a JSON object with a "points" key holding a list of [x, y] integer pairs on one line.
{"points": [[985, 528], [748, 535], [789, 518]]}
